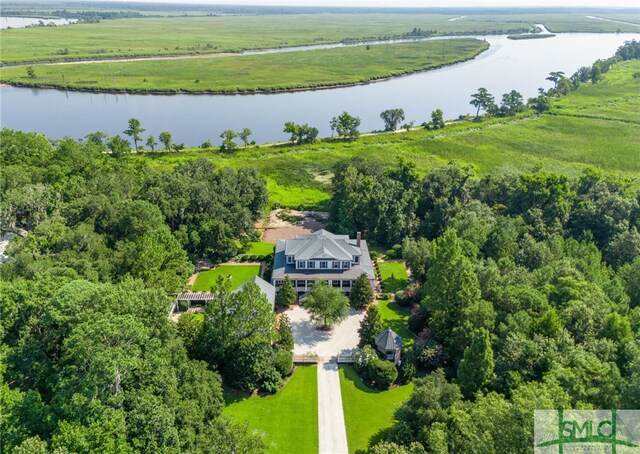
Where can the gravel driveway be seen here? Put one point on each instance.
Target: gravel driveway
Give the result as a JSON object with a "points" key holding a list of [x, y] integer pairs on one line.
{"points": [[343, 338]]}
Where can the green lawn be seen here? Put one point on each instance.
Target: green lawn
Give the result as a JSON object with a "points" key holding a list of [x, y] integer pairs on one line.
{"points": [[239, 275], [396, 318], [393, 276], [596, 126], [288, 419], [276, 71], [367, 412], [260, 248]]}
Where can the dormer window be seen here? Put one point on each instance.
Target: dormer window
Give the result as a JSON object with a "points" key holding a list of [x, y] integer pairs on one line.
{"points": [[335, 265], [323, 265], [311, 265], [289, 258], [356, 259]]}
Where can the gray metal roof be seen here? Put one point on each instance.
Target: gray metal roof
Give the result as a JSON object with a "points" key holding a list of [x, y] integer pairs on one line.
{"points": [[388, 340], [281, 268], [321, 245], [267, 289]]}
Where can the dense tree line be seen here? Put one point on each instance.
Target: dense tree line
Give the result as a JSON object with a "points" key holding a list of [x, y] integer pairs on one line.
{"points": [[89, 360], [527, 296]]}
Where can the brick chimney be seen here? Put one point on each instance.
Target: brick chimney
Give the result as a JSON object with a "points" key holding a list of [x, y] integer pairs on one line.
{"points": [[358, 238]]}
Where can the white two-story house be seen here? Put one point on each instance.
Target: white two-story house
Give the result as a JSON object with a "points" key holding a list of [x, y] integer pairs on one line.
{"points": [[321, 255]]}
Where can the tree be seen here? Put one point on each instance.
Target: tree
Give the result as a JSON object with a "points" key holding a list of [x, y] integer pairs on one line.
{"points": [[346, 125], [151, 143], [291, 128], [287, 293], [512, 103], [437, 119], [166, 140], [134, 131], [228, 144], [326, 305], [118, 146], [370, 326], [244, 136], [482, 100], [285, 333], [361, 292], [31, 72], [300, 133], [392, 118], [540, 103], [555, 77], [476, 368]]}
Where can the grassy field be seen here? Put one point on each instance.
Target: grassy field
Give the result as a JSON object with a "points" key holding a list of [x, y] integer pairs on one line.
{"points": [[260, 248], [367, 412], [200, 35], [396, 318], [288, 419], [393, 276], [595, 126], [279, 71], [239, 275]]}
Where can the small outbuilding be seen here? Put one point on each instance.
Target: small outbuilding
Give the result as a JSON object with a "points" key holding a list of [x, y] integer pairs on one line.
{"points": [[390, 345]]}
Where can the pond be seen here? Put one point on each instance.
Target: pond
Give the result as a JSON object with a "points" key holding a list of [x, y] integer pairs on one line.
{"points": [[508, 65], [22, 22]]}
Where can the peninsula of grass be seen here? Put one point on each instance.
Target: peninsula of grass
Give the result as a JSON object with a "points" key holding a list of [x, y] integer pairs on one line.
{"points": [[367, 412], [238, 274], [288, 420], [310, 69], [393, 276], [531, 36]]}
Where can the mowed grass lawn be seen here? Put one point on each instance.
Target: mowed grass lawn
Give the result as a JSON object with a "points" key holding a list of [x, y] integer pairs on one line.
{"points": [[288, 419], [393, 275], [260, 248], [275, 71], [239, 274], [397, 318], [367, 412]]}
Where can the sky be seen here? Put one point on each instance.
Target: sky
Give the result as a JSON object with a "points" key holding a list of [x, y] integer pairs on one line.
{"points": [[420, 3]]}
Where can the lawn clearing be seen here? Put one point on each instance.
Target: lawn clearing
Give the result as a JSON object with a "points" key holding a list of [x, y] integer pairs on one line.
{"points": [[288, 419], [367, 412], [239, 275], [260, 248], [397, 319], [393, 275]]}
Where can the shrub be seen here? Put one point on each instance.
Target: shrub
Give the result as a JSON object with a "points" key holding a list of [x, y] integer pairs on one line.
{"points": [[383, 373], [390, 253], [383, 296], [283, 361], [242, 258], [363, 358], [412, 292], [374, 255], [429, 355], [183, 305], [402, 299], [418, 320], [259, 258], [272, 381], [251, 258], [406, 371]]}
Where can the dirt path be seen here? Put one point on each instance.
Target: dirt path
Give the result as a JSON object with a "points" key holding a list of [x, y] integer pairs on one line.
{"points": [[332, 433]]}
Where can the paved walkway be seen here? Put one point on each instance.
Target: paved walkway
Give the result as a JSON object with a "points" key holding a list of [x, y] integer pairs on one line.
{"points": [[332, 433]]}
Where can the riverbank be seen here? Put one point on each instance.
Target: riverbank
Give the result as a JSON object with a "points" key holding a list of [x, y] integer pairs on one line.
{"points": [[253, 74], [531, 36]]}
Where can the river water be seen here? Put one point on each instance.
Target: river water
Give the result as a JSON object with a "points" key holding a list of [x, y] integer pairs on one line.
{"points": [[508, 64], [22, 22]]}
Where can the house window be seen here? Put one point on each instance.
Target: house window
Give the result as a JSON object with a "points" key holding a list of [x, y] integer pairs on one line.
{"points": [[279, 282], [335, 284], [323, 265], [335, 265], [302, 265], [356, 259], [300, 283], [345, 265], [289, 258], [346, 284], [310, 283], [311, 265]]}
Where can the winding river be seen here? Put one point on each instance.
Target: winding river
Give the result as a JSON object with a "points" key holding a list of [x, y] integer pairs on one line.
{"points": [[508, 64]]}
